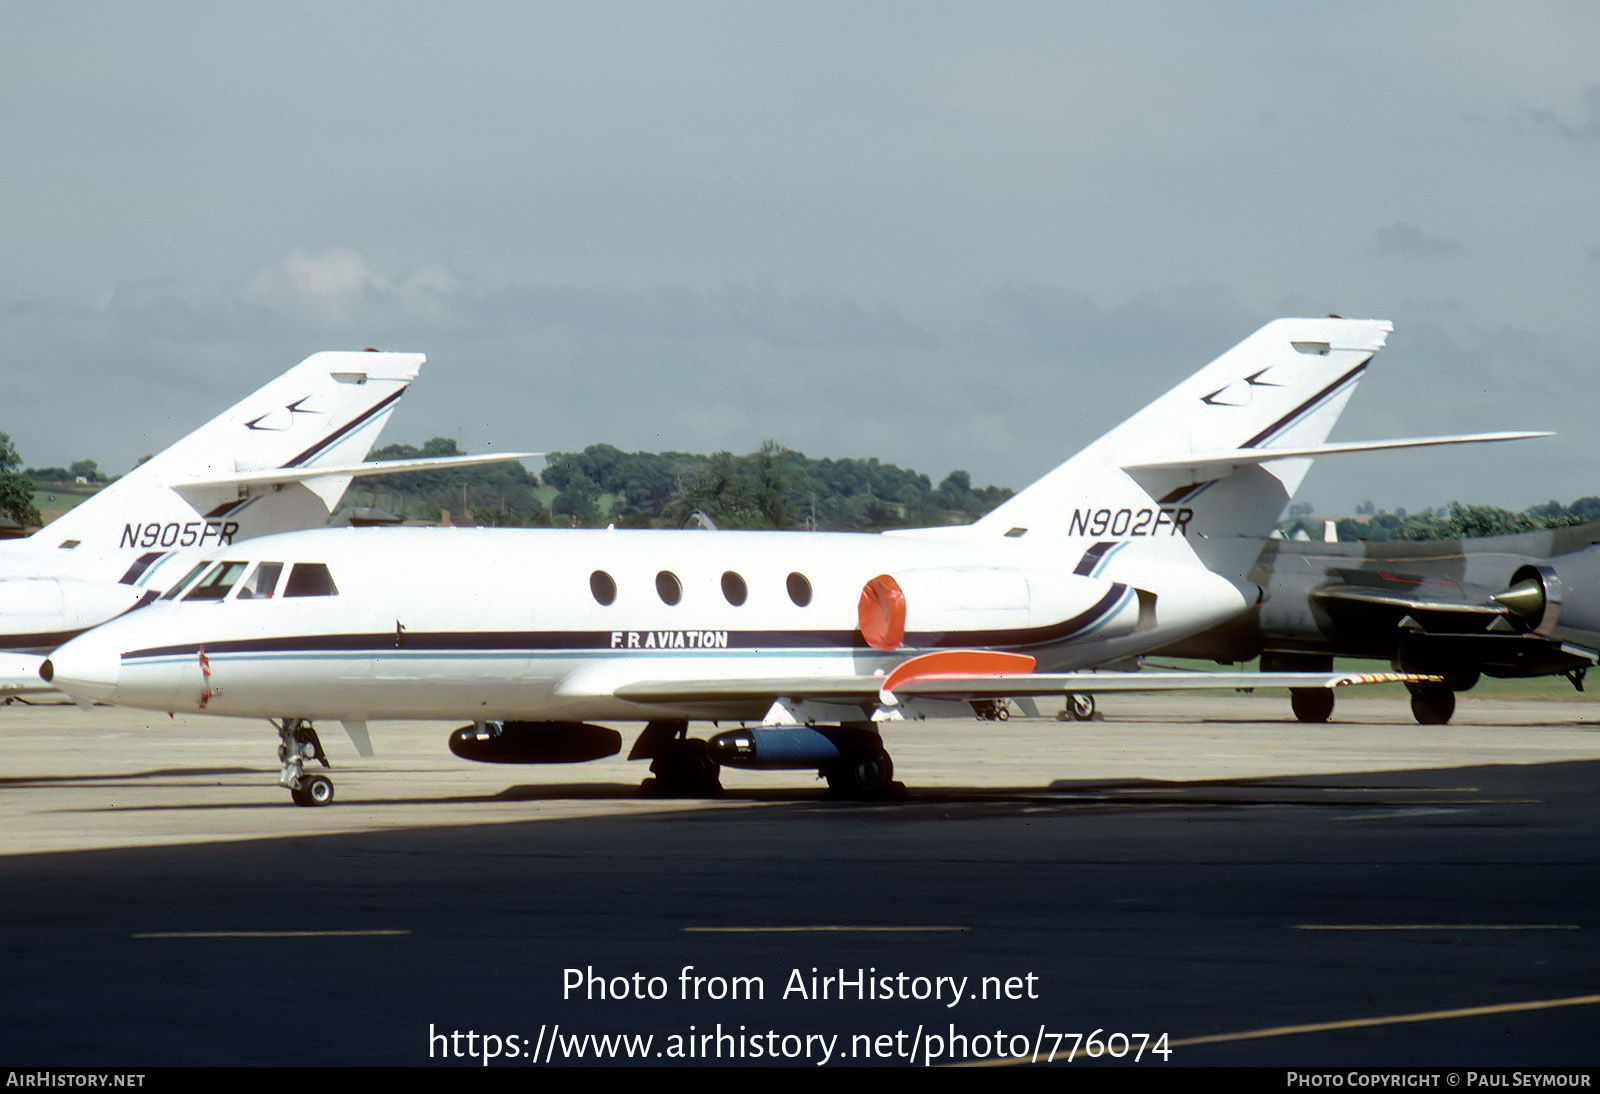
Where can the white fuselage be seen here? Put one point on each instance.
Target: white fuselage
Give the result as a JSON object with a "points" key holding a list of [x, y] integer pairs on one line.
{"points": [[1144, 537], [547, 625]]}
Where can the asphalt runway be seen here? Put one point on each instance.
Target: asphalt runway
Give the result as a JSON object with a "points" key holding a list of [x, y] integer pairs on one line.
{"points": [[1367, 892]]}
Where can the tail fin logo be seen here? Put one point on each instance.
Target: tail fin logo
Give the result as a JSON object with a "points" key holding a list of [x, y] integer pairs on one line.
{"points": [[293, 409], [1234, 395]]}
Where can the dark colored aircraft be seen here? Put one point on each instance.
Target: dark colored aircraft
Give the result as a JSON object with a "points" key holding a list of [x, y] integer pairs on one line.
{"points": [[1519, 605]]}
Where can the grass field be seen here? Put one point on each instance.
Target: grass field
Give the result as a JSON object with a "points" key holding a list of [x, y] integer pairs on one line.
{"points": [[56, 499]]}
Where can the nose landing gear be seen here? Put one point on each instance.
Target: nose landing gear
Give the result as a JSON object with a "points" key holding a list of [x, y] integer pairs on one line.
{"points": [[297, 743]]}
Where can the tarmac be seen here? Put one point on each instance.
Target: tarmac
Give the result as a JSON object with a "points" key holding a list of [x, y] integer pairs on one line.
{"points": [[1363, 892], [113, 777]]}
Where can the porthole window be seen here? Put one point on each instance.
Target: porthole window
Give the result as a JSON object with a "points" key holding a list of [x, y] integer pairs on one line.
{"points": [[734, 588], [604, 587], [799, 589], [668, 587]]}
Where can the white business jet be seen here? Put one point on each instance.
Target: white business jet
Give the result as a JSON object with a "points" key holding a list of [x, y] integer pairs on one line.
{"points": [[812, 641], [276, 462]]}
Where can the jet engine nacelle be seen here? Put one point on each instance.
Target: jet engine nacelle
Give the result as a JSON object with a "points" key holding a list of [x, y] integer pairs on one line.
{"points": [[535, 742], [50, 606], [1534, 596]]}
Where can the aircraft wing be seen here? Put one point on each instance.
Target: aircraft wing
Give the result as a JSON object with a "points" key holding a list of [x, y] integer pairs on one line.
{"points": [[1386, 603], [1442, 622], [283, 475], [969, 685]]}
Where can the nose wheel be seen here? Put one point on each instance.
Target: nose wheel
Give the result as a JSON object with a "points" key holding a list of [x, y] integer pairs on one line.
{"points": [[297, 743], [313, 790]]}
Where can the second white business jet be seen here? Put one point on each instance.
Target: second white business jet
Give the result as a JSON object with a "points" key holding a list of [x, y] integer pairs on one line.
{"points": [[813, 642], [277, 461]]}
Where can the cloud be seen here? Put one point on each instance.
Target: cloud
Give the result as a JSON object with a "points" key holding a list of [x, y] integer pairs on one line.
{"points": [[338, 290], [333, 284], [1587, 129], [1004, 381], [1405, 238]]}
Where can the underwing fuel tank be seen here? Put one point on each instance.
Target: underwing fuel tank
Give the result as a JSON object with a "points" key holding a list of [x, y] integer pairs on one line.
{"points": [[788, 747], [535, 742]]}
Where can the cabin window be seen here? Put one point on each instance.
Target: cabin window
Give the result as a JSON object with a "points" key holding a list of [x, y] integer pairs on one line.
{"points": [[734, 588], [799, 589], [263, 583], [310, 579], [215, 585], [668, 587], [177, 590], [604, 588]]}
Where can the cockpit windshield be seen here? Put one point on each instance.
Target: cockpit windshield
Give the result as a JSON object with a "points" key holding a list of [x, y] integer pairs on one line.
{"points": [[177, 590], [263, 582], [216, 583]]}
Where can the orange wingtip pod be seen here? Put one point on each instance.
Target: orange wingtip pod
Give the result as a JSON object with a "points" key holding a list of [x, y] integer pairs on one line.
{"points": [[947, 664]]}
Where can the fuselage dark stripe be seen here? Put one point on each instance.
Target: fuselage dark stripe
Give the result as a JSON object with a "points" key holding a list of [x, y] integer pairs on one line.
{"points": [[42, 640], [1091, 558], [537, 642]]}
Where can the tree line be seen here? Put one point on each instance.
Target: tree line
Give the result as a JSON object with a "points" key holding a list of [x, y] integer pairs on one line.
{"points": [[773, 487], [1459, 521]]}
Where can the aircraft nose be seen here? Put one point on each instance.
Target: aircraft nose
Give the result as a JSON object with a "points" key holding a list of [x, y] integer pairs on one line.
{"points": [[84, 669]]}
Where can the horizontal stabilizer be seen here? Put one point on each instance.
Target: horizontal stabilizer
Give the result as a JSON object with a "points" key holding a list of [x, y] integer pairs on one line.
{"points": [[1216, 464], [284, 475]]}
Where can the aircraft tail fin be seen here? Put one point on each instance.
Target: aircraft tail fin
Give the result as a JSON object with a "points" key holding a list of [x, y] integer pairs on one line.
{"points": [[1282, 388], [326, 411]]}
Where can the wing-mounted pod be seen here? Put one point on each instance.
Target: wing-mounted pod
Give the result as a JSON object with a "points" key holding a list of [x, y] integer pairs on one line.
{"points": [[1533, 597], [535, 742]]}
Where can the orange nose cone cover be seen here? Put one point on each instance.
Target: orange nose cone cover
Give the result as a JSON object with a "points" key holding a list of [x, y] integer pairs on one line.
{"points": [[882, 613]]}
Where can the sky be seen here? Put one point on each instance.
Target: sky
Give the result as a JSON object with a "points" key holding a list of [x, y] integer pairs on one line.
{"points": [[948, 235]]}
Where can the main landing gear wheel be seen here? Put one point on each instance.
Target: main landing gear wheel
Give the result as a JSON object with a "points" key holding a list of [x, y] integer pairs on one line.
{"points": [[1311, 704], [867, 778], [683, 769], [1432, 704], [1079, 708]]}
